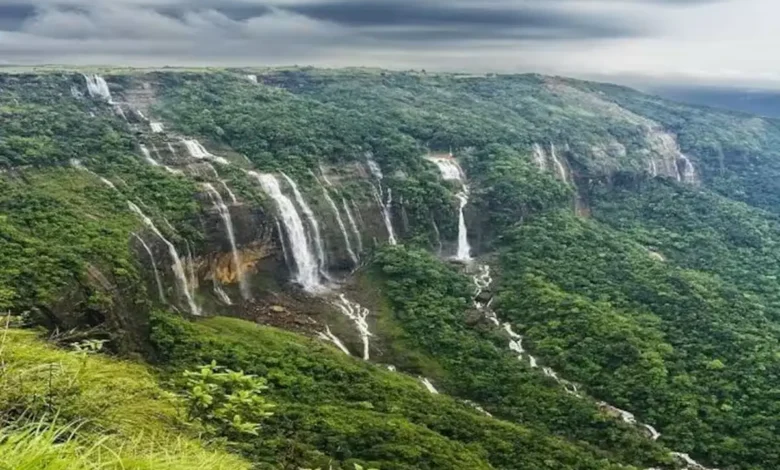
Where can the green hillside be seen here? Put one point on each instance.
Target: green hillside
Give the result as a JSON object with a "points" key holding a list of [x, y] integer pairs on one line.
{"points": [[623, 282]]}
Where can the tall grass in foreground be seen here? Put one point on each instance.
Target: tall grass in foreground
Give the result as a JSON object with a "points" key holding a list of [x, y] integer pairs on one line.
{"points": [[124, 419]]}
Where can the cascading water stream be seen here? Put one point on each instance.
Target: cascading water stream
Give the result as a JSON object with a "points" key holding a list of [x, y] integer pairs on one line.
{"points": [[221, 294], [156, 127], [688, 174], [353, 225], [539, 157], [230, 193], [315, 225], [77, 164], [148, 156], [429, 386], [559, 166], [342, 227], [384, 207], [451, 171], [177, 267], [160, 290], [328, 336], [227, 220], [358, 314], [97, 87], [482, 280], [197, 151], [307, 266]]}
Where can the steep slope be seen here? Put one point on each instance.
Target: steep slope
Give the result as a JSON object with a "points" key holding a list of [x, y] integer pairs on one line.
{"points": [[623, 257]]}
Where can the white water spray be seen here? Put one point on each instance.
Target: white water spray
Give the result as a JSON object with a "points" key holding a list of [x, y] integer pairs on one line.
{"points": [[221, 294], [429, 386], [157, 127], [97, 87], [227, 220], [178, 266], [384, 207], [148, 156], [688, 174], [342, 227], [307, 267], [160, 291]]}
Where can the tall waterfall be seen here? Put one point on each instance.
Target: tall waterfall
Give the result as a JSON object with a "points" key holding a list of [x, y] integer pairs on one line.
{"points": [[539, 157], [358, 314], [160, 291], [559, 166], [315, 225], [688, 174], [353, 225], [308, 273], [178, 266], [342, 227], [224, 213], [451, 171], [199, 152], [97, 87], [384, 207]]}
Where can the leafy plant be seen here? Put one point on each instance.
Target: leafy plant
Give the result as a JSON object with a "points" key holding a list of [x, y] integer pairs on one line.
{"points": [[229, 403]]}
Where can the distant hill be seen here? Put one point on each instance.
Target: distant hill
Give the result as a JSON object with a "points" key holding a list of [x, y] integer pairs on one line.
{"points": [[761, 102]]}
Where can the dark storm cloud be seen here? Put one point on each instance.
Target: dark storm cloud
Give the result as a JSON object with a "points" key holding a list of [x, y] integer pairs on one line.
{"points": [[461, 21], [236, 11], [13, 15]]}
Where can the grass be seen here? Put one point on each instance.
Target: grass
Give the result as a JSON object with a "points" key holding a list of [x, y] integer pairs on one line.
{"points": [[67, 410]]}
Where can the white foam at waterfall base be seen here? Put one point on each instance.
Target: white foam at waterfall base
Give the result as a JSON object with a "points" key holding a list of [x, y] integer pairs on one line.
{"points": [[157, 280], [342, 227], [429, 386], [353, 225], [313, 222], [177, 267], [327, 335], [358, 315], [97, 87], [227, 220], [307, 266]]}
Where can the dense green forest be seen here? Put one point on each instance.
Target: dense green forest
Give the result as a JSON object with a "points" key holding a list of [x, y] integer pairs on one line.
{"points": [[632, 242]]}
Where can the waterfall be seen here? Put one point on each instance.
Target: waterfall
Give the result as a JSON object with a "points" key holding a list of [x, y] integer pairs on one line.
{"points": [[689, 172], [689, 462], [558, 165], [307, 266], [77, 164], [172, 150], [451, 171], [438, 235], [325, 176], [178, 266], [429, 386], [157, 127], [328, 336], [97, 87], [464, 249], [221, 294], [148, 156], [653, 168], [281, 241], [353, 225], [358, 315], [160, 291], [252, 78], [654, 434], [384, 207], [118, 110], [539, 157], [315, 225], [230, 194], [227, 220], [342, 227], [197, 151]]}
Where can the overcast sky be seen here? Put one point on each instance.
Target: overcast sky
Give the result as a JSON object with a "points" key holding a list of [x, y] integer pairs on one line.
{"points": [[708, 41]]}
